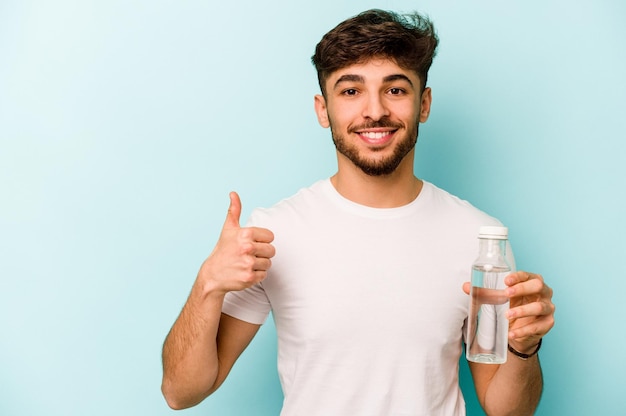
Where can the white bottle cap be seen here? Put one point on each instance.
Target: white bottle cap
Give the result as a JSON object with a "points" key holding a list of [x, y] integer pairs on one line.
{"points": [[493, 232]]}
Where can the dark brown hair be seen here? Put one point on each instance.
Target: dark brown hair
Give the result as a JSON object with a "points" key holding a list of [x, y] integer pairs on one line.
{"points": [[409, 40]]}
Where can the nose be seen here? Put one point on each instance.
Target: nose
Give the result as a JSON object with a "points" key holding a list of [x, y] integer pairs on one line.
{"points": [[375, 108]]}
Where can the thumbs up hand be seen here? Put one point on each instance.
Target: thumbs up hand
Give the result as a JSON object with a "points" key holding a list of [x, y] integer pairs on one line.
{"points": [[241, 257]]}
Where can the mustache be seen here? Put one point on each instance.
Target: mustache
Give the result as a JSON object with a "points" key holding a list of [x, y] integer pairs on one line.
{"points": [[382, 123]]}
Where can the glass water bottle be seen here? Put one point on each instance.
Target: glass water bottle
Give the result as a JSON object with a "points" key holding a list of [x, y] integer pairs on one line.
{"points": [[488, 326]]}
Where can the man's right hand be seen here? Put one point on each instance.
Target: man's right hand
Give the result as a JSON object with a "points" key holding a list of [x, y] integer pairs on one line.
{"points": [[241, 257]]}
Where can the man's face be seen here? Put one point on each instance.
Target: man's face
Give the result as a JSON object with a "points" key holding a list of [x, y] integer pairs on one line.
{"points": [[373, 111]]}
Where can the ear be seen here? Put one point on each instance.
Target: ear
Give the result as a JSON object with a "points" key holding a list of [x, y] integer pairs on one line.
{"points": [[425, 103], [321, 110]]}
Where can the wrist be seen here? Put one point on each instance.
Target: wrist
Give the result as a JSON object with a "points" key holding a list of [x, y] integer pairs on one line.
{"points": [[211, 290], [207, 284], [525, 355]]}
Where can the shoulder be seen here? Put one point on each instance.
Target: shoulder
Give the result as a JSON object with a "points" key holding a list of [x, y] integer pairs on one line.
{"points": [[453, 211], [302, 203], [443, 199]]}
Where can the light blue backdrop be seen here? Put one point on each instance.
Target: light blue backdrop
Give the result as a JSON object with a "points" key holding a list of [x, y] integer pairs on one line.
{"points": [[124, 124]]}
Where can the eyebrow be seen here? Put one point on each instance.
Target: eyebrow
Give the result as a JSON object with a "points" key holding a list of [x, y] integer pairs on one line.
{"points": [[349, 78], [398, 77], [359, 78]]}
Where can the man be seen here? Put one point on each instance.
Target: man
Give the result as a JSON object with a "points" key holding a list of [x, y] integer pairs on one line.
{"points": [[364, 272]]}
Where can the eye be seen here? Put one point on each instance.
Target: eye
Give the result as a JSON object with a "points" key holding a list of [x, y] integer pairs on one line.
{"points": [[350, 92], [396, 91]]}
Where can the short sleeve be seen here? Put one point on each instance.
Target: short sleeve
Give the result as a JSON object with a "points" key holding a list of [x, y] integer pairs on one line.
{"points": [[250, 305]]}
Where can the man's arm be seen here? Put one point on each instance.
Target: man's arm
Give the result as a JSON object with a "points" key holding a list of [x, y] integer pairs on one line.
{"points": [[203, 344], [514, 388]]}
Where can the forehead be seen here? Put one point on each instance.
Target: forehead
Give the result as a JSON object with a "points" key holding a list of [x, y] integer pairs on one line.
{"points": [[372, 71]]}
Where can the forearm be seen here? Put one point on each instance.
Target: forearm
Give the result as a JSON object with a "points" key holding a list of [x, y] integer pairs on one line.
{"points": [[203, 344], [190, 360], [515, 388]]}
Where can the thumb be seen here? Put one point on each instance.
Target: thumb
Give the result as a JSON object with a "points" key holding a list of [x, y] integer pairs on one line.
{"points": [[234, 211]]}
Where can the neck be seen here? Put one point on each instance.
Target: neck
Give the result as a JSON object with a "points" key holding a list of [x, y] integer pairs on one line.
{"points": [[387, 191]]}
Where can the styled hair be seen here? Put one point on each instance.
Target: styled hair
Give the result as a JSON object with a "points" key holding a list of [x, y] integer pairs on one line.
{"points": [[407, 39]]}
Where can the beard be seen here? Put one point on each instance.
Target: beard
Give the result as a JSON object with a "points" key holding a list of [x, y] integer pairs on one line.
{"points": [[376, 166]]}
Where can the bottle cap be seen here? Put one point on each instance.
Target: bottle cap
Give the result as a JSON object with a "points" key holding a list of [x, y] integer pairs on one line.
{"points": [[493, 232]]}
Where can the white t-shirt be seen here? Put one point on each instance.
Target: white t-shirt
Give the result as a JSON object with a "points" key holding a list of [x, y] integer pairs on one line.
{"points": [[368, 303]]}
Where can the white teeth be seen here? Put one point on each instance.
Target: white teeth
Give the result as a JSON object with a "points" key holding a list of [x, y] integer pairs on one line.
{"points": [[374, 135]]}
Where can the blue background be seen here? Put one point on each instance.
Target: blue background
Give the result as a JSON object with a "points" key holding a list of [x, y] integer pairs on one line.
{"points": [[124, 125]]}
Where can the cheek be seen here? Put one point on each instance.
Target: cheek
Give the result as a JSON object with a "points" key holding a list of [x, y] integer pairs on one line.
{"points": [[405, 110], [408, 117], [339, 117]]}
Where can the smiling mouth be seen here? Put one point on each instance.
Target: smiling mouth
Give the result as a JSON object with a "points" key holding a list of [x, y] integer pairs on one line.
{"points": [[376, 137]]}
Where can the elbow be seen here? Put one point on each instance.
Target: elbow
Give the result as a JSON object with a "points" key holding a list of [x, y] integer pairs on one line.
{"points": [[174, 399], [174, 405], [179, 399]]}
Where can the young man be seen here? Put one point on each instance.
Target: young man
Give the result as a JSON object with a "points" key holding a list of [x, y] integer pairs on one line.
{"points": [[364, 272]]}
